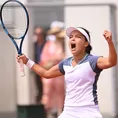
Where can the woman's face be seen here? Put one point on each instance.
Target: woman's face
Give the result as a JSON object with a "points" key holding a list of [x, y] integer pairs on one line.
{"points": [[77, 43]]}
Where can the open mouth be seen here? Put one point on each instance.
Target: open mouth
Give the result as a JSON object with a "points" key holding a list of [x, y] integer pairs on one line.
{"points": [[73, 46]]}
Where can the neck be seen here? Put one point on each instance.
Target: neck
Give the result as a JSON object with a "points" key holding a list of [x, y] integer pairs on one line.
{"points": [[78, 58]]}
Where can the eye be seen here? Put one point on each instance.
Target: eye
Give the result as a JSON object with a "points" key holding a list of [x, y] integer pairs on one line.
{"points": [[78, 36], [70, 37]]}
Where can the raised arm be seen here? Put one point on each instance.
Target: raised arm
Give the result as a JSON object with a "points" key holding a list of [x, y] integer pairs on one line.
{"points": [[111, 60], [51, 73]]}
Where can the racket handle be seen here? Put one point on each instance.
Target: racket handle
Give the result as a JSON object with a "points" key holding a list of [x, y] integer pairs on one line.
{"points": [[22, 71]]}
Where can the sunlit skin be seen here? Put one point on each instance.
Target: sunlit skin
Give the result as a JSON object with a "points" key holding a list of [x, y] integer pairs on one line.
{"points": [[111, 59], [80, 44], [78, 54]]}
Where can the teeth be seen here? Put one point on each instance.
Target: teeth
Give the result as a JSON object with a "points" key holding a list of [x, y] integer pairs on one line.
{"points": [[73, 49]]}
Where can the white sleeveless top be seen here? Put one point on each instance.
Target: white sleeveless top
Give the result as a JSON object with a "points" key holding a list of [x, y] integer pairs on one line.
{"points": [[81, 81]]}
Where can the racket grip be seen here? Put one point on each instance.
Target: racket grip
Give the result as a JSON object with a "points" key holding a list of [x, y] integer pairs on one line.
{"points": [[22, 71]]}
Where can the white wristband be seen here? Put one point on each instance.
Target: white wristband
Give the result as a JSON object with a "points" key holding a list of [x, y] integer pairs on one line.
{"points": [[30, 63]]}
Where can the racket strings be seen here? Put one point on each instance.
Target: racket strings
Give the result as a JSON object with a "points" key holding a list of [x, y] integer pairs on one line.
{"points": [[15, 19]]}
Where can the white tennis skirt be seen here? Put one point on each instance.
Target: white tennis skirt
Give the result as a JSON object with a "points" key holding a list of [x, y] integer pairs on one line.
{"points": [[81, 112]]}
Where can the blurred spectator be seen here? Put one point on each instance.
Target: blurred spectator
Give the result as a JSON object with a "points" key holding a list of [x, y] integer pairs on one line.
{"points": [[39, 38], [60, 39], [53, 53]]}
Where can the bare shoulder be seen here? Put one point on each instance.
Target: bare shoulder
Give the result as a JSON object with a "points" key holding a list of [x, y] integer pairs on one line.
{"points": [[104, 63]]}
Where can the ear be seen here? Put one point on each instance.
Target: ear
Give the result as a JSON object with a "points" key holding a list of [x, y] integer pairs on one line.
{"points": [[86, 44]]}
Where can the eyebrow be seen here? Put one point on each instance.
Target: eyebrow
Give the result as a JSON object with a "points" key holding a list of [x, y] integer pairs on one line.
{"points": [[77, 35]]}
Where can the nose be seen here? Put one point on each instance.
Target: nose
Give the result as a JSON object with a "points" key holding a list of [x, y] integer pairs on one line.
{"points": [[73, 38]]}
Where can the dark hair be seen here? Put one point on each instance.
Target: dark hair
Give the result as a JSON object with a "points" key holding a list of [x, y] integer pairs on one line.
{"points": [[89, 47]]}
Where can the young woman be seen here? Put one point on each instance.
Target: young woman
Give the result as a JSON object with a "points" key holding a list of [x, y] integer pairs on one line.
{"points": [[81, 72]]}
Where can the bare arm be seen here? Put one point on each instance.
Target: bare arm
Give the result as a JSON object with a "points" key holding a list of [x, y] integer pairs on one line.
{"points": [[52, 72], [111, 60]]}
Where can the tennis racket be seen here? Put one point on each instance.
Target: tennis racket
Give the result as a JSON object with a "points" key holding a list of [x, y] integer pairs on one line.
{"points": [[15, 22]]}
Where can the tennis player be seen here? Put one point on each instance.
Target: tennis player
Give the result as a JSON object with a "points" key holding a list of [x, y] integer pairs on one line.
{"points": [[81, 73]]}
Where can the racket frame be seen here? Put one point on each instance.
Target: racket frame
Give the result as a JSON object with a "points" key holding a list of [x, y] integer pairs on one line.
{"points": [[19, 49]]}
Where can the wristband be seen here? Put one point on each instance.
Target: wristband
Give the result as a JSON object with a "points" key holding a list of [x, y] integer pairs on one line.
{"points": [[30, 63]]}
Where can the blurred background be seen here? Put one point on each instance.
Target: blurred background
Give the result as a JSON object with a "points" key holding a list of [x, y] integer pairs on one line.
{"points": [[46, 44]]}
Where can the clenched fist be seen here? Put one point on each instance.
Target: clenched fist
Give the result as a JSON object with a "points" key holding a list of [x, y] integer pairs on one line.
{"points": [[108, 36], [23, 57]]}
